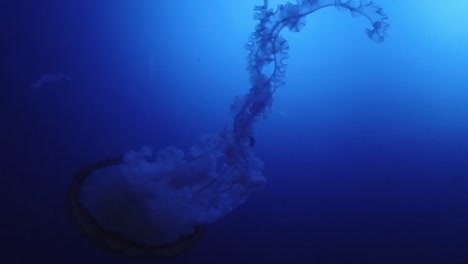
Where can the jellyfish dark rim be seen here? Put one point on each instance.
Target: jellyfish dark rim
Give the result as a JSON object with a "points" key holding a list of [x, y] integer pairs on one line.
{"points": [[108, 239]]}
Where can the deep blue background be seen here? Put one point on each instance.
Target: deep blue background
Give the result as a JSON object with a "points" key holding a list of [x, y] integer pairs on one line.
{"points": [[366, 148]]}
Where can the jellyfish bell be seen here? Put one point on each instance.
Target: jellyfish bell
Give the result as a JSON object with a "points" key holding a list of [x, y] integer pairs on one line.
{"points": [[113, 218]]}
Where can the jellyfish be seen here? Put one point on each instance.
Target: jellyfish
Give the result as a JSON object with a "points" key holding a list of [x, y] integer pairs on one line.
{"points": [[44, 79], [147, 203]]}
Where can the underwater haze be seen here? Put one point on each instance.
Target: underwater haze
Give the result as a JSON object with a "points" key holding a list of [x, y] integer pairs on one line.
{"points": [[364, 147]]}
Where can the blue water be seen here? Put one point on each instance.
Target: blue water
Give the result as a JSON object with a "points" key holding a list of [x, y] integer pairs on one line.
{"points": [[365, 148]]}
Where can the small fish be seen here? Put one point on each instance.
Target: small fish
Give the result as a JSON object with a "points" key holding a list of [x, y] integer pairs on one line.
{"points": [[456, 179], [252, 142]]}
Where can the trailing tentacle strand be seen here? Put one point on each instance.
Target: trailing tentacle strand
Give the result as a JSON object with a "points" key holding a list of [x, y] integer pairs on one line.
{"points": [[268, 51]]}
